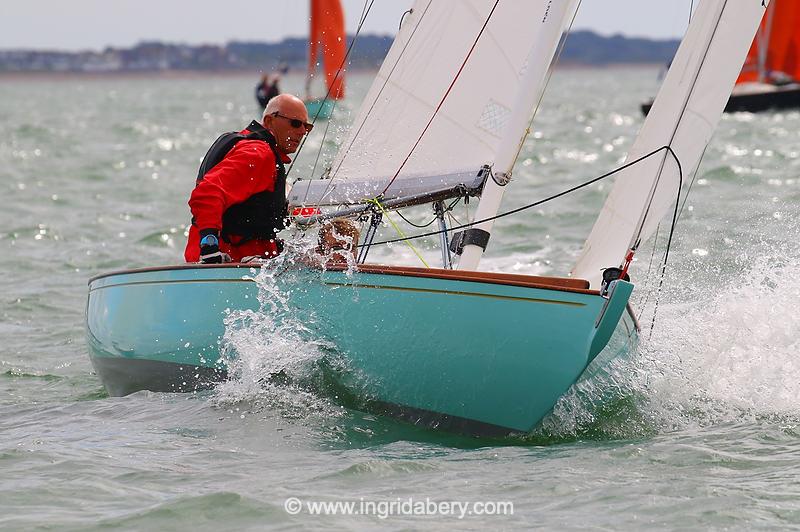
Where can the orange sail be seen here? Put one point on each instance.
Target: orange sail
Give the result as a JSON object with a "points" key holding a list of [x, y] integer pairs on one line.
{"points": [[328, 36], [776, 49]]}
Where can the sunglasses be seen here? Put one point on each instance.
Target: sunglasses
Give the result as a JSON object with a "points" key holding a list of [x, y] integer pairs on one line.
{"points": [[295, 123]]}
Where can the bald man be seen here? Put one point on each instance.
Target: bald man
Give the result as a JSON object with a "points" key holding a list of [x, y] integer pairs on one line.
{"points": [[239, 202]]}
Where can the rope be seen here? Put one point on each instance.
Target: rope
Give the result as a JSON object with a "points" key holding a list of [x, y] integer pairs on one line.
{"points": [[319, 153], [405, 239], [537, 203], [447, 210], [675, 216], [402, 17], [409, 222]]}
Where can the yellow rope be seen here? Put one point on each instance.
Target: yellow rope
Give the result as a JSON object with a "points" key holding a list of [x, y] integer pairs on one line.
{"points": [[375, 201]]}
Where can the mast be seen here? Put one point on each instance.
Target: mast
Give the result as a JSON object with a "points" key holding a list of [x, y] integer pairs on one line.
{"points": [[538, 62]]}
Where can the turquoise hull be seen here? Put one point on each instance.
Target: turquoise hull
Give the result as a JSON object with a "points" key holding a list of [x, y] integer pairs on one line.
{"points": [[320, 108], [478, 353]]}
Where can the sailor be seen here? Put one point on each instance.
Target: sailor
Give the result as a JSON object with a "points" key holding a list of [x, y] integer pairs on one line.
{"points": [[273, 89], [239, 202], [262, 89], [338, 240], [267, 88], [337, 245]]}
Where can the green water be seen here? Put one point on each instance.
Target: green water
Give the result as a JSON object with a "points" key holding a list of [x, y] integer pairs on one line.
{"points": [[698, 429]]}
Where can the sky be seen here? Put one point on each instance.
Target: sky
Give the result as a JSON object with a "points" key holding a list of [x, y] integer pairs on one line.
{"points": [[94, 24]]}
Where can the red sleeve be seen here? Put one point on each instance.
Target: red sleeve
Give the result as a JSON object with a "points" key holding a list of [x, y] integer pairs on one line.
{"points": [[248, 168]]}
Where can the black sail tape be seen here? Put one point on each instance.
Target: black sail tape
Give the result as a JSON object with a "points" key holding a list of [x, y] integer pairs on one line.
{"points": [[471, 236]]}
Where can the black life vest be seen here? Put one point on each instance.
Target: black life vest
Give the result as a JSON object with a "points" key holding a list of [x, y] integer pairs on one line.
{"points": [[261, 215]]}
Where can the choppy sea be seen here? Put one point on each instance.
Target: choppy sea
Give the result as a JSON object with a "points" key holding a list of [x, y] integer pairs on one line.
{"points": [[698, 428]]}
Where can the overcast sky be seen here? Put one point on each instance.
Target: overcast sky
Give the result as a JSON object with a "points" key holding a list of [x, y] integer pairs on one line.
{"points": [[95, 24]]}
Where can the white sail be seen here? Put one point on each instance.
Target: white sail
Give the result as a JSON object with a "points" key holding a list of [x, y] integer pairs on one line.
{"points": [[683, 117], [443, 97], [540, 58]]}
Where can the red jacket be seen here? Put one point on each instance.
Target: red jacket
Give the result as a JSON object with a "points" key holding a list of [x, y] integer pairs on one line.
{"points": [[249, 168]]}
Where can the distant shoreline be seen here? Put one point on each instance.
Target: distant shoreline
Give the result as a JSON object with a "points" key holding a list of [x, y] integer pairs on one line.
{"points": [[197, 74], [148, 74]]}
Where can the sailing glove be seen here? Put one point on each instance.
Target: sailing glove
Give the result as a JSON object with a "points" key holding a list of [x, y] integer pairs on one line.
{"points": [[209, 248]]}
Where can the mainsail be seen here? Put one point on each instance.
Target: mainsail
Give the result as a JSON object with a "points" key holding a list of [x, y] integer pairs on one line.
{"points": [[440, 104], [327, 35], [683, 118], [776, 48]]}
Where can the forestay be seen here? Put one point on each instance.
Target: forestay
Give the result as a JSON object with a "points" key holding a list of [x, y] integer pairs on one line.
{"points": [[683, 117], [440, 104]]}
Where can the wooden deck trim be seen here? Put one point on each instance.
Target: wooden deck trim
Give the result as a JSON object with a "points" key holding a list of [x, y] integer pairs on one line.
{"points": [[562, 284]]}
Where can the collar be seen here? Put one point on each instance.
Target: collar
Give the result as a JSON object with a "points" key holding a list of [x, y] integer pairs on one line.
{"points": [[257, 127]]}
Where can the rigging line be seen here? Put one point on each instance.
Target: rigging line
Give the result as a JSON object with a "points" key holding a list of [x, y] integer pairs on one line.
{"points": [[635, 241], [399, 231], [691, 183], [402, 17], [319, 153], [378, 95], [669, 245], [645, 294], [365, 11], [406, 220], [550, 70], [446, 94], [452, 205], [540, 202], [676, 217], [453, 219], [447, 210]]}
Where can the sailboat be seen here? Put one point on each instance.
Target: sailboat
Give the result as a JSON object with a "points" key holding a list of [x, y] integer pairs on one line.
{"points": [[770, 77], [326, 36], [451, 347]]}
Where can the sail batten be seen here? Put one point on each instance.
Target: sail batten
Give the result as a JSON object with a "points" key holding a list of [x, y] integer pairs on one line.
{"points": [[683, 118]]}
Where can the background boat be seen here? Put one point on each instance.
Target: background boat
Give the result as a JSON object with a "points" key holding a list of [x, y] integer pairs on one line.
{"points": [[770, 77], [327, 38]]}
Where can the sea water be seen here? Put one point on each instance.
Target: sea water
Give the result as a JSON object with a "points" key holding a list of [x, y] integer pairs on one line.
{"points": [[698, 428]]}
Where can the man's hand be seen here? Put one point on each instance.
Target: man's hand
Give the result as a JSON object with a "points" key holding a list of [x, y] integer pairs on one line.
{"points": [[209, 248]]}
